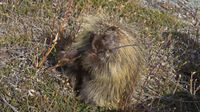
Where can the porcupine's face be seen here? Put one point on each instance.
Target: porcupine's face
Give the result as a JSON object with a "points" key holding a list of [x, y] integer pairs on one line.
{"points": [[103, 46]]}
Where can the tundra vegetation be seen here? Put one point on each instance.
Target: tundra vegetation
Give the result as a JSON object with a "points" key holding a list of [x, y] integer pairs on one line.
{"points": [[30, 33]]}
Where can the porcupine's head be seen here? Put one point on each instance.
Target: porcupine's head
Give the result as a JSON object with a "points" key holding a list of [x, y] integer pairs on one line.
{"points": [[114, 62]]}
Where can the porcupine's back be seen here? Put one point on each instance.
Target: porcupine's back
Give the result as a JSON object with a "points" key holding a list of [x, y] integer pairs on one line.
{"points": [[115, 70]]}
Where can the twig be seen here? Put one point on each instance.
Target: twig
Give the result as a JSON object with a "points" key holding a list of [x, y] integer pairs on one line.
{"points": [[191, 84], [12, 107], [177, 83], [49, 51]]}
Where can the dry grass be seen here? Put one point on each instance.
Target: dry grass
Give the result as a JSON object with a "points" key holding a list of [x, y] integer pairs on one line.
{"points": [[30, 31]]}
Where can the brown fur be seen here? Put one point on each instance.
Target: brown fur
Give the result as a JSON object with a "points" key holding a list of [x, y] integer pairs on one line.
{"points": [[111, 60], [113, 71]]}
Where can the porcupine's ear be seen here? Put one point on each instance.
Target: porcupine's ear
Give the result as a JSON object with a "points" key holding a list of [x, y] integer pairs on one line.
{"points": [[93, 41], [96, 43]]}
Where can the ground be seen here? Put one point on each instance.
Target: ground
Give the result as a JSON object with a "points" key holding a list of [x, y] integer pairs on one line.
{"points": [[27, 27]]}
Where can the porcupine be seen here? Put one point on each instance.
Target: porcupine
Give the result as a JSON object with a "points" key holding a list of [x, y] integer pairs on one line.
{"points": [[109, 60]]}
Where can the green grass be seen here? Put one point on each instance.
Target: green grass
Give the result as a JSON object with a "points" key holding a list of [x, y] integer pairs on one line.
{"points": [[26, 24]]}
